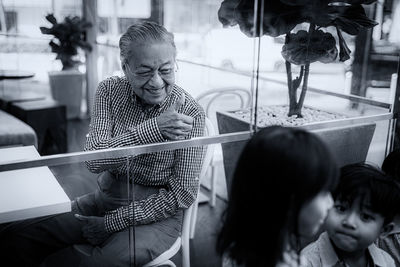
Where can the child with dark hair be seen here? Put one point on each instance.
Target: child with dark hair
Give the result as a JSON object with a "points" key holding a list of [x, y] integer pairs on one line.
{"points": [[362, 212], [391, 164], [281, 191], [391, 242]]}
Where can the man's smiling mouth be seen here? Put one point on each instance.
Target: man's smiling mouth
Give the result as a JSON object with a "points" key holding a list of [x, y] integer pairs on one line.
{"points": [[155, 91]]}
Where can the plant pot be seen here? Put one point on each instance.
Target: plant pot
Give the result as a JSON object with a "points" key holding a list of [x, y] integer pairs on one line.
{"points": [[66, 88], [349, 144]]}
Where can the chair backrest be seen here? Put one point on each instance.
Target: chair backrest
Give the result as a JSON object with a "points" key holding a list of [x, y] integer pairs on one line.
{"points": [[216, 93], [208, 155]]}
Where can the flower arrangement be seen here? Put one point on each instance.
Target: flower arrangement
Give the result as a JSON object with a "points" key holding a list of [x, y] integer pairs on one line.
{"points": [[69, 35], [278, 17]]}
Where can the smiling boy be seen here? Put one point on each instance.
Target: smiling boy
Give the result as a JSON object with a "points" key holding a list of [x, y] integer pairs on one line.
{"points": [[363, 211]]}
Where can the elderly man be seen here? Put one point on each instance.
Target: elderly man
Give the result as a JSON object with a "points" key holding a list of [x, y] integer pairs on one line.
{"points": [[143, 107]]}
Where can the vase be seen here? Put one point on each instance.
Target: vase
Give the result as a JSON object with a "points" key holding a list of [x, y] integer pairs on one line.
{"points": [[66, 88]]}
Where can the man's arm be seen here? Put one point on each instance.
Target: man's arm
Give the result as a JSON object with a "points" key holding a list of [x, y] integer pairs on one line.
{"points": [[100, 131], [182, 189]]}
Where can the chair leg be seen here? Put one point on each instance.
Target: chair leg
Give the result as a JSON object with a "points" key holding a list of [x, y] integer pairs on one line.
{"points": [[213, 186], [185, 254], [194, 218]]}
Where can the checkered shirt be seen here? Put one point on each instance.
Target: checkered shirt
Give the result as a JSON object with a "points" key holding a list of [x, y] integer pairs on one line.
{"points": [[118, 120]]}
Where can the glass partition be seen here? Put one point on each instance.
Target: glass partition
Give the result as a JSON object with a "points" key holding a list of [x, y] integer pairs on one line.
{"points": [[52, 186], [238, 77]]}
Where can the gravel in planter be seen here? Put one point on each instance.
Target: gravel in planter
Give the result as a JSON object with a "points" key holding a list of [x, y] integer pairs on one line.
{"points": [[277, 115]]}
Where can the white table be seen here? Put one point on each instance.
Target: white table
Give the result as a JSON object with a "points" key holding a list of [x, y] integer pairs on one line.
{"points": [[29, 193]]}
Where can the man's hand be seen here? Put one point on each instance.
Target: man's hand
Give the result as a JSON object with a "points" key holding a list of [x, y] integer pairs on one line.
{"points": [[94, 230], [173, 125]]}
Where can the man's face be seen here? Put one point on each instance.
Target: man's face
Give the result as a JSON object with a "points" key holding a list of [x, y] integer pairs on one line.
{"points": [[353, 227], [151, 71]]}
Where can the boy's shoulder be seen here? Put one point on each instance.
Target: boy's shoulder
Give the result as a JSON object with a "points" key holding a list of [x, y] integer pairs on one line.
{"points": [[380, 257], [391, 244]]}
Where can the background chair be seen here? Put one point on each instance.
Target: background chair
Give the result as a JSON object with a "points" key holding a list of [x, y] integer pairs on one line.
{"points": [[189, 221], [209, 131], [225, 98]]}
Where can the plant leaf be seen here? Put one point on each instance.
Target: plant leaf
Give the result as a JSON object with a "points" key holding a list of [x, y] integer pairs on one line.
{"points": [[46, 30], [55, 48], [226, 12], [277, 18], [353, 19], [345, 51], [51, 19], [303, 48]]}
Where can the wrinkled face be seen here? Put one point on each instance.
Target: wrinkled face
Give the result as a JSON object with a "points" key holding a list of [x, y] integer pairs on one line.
{"points": [[353, 227], [313, 213], [151, 71]]}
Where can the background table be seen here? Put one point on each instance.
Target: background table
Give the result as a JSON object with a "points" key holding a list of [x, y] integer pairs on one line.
{"points": [[15, 74], [48, 119], [29, 193]]}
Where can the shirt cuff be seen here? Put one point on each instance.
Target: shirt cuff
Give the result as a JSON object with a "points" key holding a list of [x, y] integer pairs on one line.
{"points": [[148, 132]]}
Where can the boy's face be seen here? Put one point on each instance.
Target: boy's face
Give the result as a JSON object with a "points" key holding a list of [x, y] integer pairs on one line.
{"points": [[353, 227]]}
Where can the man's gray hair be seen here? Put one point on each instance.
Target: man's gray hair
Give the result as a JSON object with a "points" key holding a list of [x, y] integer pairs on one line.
{"points": [[144, 32]]}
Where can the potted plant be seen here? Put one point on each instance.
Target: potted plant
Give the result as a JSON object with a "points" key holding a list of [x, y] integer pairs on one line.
{"points": [[301, 47], [67, 84]]}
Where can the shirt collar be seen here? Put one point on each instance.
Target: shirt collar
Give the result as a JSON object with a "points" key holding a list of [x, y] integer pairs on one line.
{"points": [[328, 254], [376, 255], [329, 257]]}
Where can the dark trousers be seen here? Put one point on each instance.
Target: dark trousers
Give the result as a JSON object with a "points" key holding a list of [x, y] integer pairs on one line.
{"points": [[44, 240]]}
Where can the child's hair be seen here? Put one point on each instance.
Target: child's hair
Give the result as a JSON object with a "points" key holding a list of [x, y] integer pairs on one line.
{"points": [[278, 171], [391, 164], [391, 167], [371, 185]]}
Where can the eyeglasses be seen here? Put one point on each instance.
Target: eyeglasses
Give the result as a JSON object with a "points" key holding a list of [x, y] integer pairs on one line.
{"points": [[163, 72]]}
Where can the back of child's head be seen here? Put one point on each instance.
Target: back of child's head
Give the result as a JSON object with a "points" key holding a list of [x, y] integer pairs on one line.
{"points": [[370, 185], [279, 170], [391, 167], [391, 164]]}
